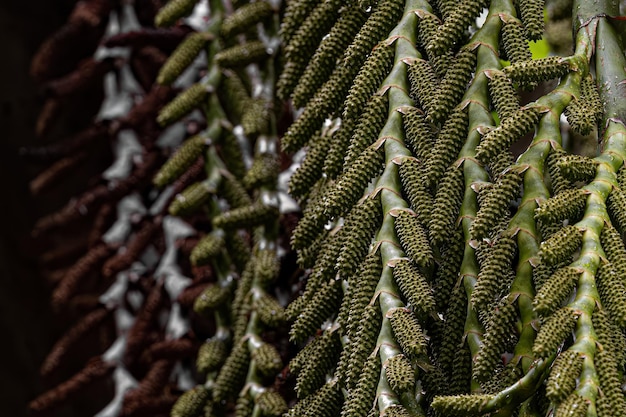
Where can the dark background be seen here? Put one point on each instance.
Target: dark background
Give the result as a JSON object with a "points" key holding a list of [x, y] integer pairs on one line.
{"points": [[27, 326]]}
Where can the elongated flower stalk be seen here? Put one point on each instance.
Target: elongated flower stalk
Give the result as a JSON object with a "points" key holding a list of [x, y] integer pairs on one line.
{"points": [[526, 249]]}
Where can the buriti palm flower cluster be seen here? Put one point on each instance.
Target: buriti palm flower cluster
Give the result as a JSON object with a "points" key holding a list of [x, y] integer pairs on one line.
{"points": [[447, 276]]}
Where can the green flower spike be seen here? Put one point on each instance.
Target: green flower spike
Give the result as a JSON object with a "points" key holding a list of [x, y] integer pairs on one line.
{"points": [[363, 394], [496, 203], [183, 104], [232, 375], [616, 206], [314, 362], [244, 17], [350, 185], [577, 167], [494, 341], [323, 304], [362, 287], [529, 72], [423, 82], [453, 85], [461, 405], [209, 247], [515, 44], [371, 121], [561, 245], [613, 246], [241, 55], [446, 206], [211, 298], [295, 14], [271, 404], [269, 311], [428, 27], [310, 170], [263, 172], [453, 28], [244, 406], [503, 94], [416, 189], [400, 374], [254, 215], [565, 371], [267, 360], [191, 403], [510, 130], [446, 275], [555, 290], [332, 47], [414, 239], [568, 205], [302, 45], [557, 179], [419, 135], [181, 161], [532, 17], [554, 331], [409, 333], [362, 344], [414, 287], [573, 406], [211, 355], [233, 192], [370, 76], [358, 230], [172, 11], [491, 279], [612, 290], [448, 144], [182, 57], [585, 113], [191, 199]]}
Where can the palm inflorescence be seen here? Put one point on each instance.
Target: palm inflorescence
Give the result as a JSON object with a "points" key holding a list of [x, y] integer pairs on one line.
{"points": [[459, 259]]}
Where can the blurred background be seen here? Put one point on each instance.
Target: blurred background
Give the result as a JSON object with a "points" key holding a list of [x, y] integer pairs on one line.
{"points": [[27, 328]]}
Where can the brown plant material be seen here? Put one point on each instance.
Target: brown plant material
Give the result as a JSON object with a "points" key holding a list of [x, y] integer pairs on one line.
{"points": [[202, 273], [62, 50], [81, 269], [62, 255], [94, 198], [146, 63], [137, 336], [102, 222], [95, 370], [89, 73], [140, 241], [193, 174], [94, 133], [148, 407], [153, 382], [47, 116], [56, 172], [63, 346], [163, 38], [188, 296], [92, 12], [172, 349], [147, 109], [186, 245]]}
